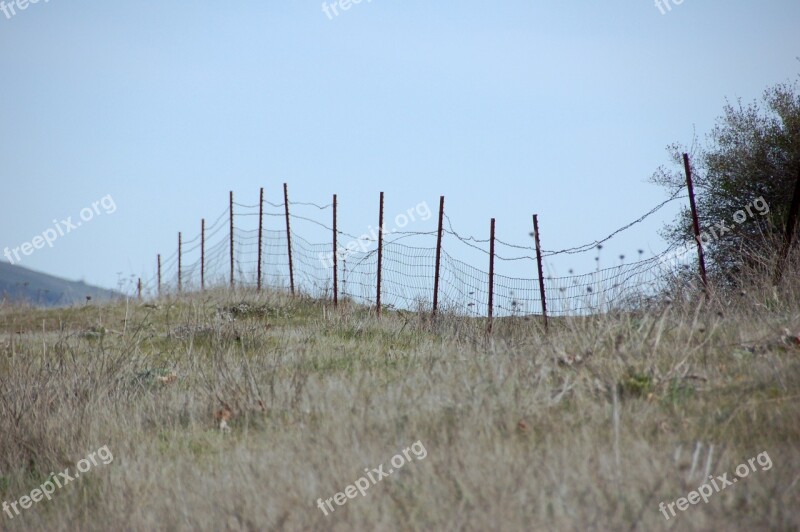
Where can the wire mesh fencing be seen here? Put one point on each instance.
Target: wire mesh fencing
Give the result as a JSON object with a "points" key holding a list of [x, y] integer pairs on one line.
{"points": [[258, 253]]}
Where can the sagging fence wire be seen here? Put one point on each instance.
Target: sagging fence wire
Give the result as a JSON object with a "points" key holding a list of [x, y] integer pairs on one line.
{"points": [[408, 273]]}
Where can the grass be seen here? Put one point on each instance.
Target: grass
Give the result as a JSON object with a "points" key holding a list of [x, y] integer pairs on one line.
{"points": [[587, 427]]}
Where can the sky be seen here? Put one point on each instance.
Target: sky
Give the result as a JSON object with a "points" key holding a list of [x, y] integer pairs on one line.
{"points": [[507, 108]]}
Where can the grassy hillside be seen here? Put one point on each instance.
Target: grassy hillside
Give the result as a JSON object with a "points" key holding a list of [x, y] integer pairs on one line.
{"points": [[589, 427], [21, 285]]}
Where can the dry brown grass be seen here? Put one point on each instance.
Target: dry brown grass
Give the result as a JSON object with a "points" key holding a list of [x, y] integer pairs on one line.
{"points": [[588, 428]]}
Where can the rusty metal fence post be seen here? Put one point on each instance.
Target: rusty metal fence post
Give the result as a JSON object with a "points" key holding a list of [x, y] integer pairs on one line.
{"points": [[335, 265], [179, 261], [202, 254], [380, 255], [438, 258], [231, 229], [288, 236], [260, 235], [491, 278], [695, 222], [539, 268], [159, 274]]}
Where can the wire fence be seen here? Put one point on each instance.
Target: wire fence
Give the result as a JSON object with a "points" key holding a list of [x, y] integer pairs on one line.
{"points": [[259, 244]]}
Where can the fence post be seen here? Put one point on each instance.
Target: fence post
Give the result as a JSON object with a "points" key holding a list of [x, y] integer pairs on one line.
{"points": [[159, 275], [380, 255], [539, 267], [231, 217], [288, 236], [335, 265], [139, 289], [202, 254], [260, 234], [695, 222], [179, 261], [791, 222], [438, 258], [491, 278]]}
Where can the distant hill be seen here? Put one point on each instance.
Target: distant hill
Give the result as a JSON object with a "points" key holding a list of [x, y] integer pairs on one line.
{"points": [[20, 284]]}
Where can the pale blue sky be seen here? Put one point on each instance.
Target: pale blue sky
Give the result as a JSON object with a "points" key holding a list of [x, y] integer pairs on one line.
{"points": [[507, 108]]}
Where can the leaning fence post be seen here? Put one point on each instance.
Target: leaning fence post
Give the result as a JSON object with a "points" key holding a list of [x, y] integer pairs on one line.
{"points": [[179, 261], [791, 222], [202, 254], [695, 222], [335, 272], [159, 274], [231, 223], [260, 234], [491, 278], [438, 258], [380, 255], [288, 236], [539, 267]]}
